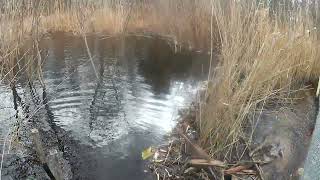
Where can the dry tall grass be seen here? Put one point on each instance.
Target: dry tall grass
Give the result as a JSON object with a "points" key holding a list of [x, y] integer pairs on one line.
{"points": [[263, 62], [183, 21]]}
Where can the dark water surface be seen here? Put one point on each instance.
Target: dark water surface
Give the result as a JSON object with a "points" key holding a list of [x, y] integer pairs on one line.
{"points": [[123, 101]]}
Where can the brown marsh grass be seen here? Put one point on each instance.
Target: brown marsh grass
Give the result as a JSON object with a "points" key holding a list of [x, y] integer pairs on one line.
{"points": [[264, 62], [182, 21], [263, 59]]}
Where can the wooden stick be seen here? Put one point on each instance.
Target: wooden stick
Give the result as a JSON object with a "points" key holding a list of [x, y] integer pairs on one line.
{"points": [[204, 162], [197, 148], [38, 145]]}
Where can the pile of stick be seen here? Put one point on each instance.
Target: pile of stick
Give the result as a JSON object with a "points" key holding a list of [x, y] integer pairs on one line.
{"points": [[183, 158]]}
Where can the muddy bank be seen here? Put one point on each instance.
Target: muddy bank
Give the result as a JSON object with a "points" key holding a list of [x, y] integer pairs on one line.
{"points": [[278, 142]]}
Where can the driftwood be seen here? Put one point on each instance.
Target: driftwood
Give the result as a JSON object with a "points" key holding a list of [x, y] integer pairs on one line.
{"points": [[38, 145], [57, 165]]}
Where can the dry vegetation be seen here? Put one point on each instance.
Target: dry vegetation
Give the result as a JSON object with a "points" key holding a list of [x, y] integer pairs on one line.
{"points": [[263, 63], [26, 21], [263, 60]]}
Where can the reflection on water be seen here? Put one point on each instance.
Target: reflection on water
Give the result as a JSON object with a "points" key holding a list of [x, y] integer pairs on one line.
{"points": [[127, 101]]}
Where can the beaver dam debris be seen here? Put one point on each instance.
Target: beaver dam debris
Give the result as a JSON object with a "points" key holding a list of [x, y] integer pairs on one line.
{"points": [[174, 161], [277, 145], [183, 158]]}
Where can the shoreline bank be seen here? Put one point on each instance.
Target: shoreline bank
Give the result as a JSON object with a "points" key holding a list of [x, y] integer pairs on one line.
{"points": [[279, 139]]}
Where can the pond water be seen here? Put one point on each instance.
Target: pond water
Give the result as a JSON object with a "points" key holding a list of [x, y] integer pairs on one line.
{"points": [[121, 100]]}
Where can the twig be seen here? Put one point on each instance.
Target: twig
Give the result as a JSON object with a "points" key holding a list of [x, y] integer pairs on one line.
{"points": [[89, 54], [204, 162], [169, 175], [236, 169], [169, 150], [212, 173], [158, 176], [260, 172]]}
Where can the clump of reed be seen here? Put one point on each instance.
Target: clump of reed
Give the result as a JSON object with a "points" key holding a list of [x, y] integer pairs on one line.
{"points": [[264, 60]]}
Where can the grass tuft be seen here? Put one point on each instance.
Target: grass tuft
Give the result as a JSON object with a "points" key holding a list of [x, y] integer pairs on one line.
{"points": [[264, 61]]}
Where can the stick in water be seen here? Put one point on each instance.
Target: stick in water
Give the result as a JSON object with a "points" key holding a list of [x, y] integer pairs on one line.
{"points": [[318, 89]]}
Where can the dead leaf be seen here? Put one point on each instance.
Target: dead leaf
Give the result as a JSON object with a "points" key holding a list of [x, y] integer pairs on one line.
{"points": [[147, 153]]}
